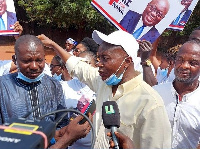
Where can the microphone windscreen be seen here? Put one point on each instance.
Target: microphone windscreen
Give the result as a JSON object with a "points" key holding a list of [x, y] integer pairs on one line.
{"points": [[110, 114]]}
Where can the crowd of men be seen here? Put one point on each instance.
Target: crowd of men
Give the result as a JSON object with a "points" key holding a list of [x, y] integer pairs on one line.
{"points": [[115, 67]]}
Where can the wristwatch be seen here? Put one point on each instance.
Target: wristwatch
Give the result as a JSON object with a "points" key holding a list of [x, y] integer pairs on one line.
{"points": [[146, 63]]}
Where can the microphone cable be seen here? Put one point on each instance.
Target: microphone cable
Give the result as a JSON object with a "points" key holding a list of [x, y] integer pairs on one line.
{"points": [[77, 112]]}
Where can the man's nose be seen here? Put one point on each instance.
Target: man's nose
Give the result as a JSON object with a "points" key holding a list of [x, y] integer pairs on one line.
{"points": [[33, 65], [99, 64], [185, 64]]}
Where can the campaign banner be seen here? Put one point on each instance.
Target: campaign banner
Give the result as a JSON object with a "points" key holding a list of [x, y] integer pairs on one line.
{"points": [[180, 21], [7, 17], [144, 19]]}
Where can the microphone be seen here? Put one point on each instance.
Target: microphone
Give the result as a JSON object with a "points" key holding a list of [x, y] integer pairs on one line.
{"points": [[111, 119]]}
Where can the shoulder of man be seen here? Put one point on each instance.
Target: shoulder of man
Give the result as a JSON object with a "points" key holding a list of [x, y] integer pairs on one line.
{"points": [[11, 15]]}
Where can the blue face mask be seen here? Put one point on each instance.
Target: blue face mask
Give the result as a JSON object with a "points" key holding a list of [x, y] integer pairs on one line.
{"points": [[113, 79], [57, 77], [26, 79], [161, 74], [164, 72]]}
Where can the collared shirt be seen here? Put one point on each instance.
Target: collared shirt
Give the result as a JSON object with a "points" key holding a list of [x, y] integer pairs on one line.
{"points": [[143, 117], [17, 98], [184, 115]]}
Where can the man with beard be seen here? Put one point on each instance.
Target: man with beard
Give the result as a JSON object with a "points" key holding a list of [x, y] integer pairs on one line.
{"points": [[181, 97], [142, 26]]}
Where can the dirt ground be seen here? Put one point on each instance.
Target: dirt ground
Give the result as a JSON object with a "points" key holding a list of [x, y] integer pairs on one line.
{"points": [[6, 52]]}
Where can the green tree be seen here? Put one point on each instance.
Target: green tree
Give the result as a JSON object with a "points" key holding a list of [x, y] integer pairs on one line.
{"points": [[66, 14]]}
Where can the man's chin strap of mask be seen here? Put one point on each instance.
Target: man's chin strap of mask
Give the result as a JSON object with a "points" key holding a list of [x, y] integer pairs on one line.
{"points": [[26, 79], [113, 79]]}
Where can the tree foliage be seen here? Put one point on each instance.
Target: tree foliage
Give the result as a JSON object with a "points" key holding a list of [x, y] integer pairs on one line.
{"points": [[78, 14]]}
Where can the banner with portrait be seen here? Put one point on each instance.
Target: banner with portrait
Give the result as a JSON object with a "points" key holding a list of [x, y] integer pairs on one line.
{"points": [[182, 18], [145, 19], [7, 17]]}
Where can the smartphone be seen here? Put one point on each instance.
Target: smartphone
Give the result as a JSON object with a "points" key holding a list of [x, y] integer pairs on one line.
{"points": [[90, 109]]}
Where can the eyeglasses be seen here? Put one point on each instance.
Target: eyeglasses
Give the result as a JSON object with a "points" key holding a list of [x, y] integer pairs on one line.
{"points": [[76, 50], [154, 9], [52, 66]]}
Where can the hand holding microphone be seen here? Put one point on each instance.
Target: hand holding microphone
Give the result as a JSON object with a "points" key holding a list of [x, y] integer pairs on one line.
{"points": [[111, 119], [124, 141]]}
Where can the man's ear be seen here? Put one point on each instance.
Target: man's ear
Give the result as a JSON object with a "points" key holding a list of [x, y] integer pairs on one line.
{"points": [[14, 59], [128, 61]]}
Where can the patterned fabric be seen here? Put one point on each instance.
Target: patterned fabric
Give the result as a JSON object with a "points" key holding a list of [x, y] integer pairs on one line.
{"points": [[17, 98]]}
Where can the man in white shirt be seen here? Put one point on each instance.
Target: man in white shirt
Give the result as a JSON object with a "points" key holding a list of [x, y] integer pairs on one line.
{"points": [[181, 97], [143, 117]]}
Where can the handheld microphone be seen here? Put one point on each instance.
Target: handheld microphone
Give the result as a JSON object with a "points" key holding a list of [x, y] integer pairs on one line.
{"points": [[111, 119]]}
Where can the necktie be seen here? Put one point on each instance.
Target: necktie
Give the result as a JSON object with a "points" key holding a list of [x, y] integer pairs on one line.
{"points": [[2, 25], [138, 32], [175, 22]]}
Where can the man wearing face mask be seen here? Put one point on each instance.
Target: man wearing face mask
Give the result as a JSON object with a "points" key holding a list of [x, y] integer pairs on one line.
{"points": [[22, 91], [143, 117]]}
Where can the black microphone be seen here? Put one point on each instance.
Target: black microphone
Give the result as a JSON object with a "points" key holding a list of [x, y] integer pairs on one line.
{"points": [[111, 119]]}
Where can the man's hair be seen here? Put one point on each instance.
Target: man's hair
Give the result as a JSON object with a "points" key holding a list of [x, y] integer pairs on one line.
{"points": [[25, 40], [194, 41], [90, 44], [59, 60], [172, 52]]}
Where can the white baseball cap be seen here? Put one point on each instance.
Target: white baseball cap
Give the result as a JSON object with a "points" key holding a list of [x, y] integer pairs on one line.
{"points": [[121, 38]]}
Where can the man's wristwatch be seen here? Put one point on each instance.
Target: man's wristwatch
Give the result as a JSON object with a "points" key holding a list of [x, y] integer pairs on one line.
{"points": [[146, 63]]}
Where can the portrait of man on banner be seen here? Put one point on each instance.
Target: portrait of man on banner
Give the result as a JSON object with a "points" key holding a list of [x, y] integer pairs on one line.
{"points": [[181, 20], [144, 19], [136, 23], [7, 16]]}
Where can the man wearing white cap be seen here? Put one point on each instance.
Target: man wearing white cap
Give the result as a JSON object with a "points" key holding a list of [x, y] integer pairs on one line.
{"points": [[143, 117]]}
